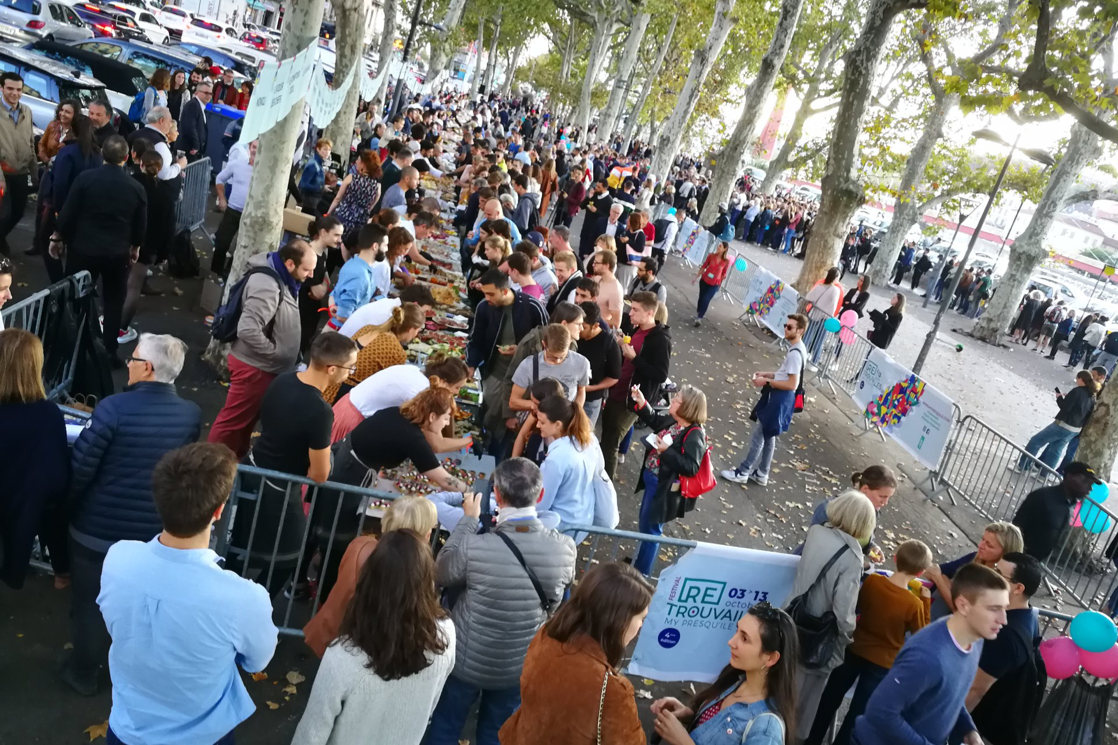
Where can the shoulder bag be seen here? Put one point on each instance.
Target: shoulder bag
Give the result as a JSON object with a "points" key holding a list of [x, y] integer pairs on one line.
{"points": [[546, 603], [602, 706], [818, 635], [695, 486]]}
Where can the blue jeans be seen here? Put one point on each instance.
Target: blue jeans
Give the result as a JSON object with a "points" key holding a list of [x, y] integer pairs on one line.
{"points": [[1069, 453], [1052, 439], [789, 236], [646, 554], [112, 739], [593, 410], [816, 333], [454, 706], [626, 442], [707, 293], [759, 458], [853, 668]]}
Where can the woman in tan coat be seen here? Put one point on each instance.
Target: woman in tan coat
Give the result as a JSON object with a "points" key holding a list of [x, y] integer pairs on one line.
{"points": [[570, 690]]}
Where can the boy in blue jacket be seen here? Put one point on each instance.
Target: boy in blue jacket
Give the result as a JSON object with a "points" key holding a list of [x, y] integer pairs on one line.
{"points": [[922, 700]]}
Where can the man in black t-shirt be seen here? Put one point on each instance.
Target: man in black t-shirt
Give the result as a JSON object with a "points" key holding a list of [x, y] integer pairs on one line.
{"points": [[1045, 512], [295, 424], [1005, 677], [599, 346]]}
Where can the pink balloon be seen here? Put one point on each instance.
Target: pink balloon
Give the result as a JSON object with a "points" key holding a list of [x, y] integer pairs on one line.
{"points": [[849, 320], [1061, 657], [1100, 664]]}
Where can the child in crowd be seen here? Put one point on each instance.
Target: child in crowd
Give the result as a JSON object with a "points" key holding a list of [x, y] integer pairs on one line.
{"points": [[888, 611]]}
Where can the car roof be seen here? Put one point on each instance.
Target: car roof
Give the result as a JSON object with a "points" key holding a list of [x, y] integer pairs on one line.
{"points": [[104, 69], [155, 49], [51, 67]]}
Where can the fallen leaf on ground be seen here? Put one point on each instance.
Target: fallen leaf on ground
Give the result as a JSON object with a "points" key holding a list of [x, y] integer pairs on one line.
{"points": [[259, 676], [294, 678], [271, 705], [98, 730], [291, 690]]}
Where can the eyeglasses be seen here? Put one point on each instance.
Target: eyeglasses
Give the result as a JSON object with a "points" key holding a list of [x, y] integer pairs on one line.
{"points": [[134, 358]]}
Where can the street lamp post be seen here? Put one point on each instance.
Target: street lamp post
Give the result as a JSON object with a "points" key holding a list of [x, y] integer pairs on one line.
{"points": [[415, 22], [1037, 155], [1009, 232], [963, 216]]}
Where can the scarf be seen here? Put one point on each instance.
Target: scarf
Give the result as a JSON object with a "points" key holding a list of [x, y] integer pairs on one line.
{"points": [[516, 513], [276, 263]]}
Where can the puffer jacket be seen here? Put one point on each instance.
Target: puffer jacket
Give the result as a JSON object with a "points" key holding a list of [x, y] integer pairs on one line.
{"points": [[497, 611], [838, 590], [110, 490]]}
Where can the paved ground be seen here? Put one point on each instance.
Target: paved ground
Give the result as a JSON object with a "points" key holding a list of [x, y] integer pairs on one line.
{"points": [[813, 461]]}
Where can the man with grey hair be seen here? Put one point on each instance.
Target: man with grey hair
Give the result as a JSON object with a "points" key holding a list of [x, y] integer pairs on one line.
{"points": [[192, 123], [110, 486], [510, 577], [158, 126]]}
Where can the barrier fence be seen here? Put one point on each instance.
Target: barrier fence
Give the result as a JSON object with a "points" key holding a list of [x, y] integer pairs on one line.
{"points": [[56, 315], [190, 211], [980, 465]]}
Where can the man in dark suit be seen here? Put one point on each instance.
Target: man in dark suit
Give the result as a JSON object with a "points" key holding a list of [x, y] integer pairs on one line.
{"points": [[597, 205], [102, 225], [192, 123]]}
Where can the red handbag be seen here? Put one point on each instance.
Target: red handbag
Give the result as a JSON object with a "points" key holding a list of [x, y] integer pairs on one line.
{"points": [[693, 487]]}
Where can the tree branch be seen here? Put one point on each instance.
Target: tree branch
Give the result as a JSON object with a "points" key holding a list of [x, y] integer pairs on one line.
{"points": [[1089, 193], [1005, 23]]}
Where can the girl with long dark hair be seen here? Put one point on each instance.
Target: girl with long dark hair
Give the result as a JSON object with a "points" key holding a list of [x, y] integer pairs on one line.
{"points": [[380, 680], [753, 700], [886, 323]]}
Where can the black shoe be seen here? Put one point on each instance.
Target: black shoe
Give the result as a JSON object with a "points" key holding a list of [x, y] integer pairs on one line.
{"points": [[84, 688]]}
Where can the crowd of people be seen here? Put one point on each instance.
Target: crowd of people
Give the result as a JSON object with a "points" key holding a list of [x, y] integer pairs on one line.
{"points": [[465, 599]]}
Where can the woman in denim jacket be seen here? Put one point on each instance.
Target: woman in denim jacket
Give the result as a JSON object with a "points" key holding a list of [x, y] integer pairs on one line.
{"points": [[753, 701]]}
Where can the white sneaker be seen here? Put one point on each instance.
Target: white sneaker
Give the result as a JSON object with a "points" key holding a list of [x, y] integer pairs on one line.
{"points": [[731, 474], [759, 482], [126, 335]]}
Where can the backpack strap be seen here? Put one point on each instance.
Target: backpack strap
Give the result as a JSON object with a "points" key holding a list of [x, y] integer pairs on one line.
{"points": [[545, 603]]}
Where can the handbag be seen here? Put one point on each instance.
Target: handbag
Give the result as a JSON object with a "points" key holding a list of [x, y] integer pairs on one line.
{"points": [[602, 706], [798, 404], [703, 481], [818, 635]]}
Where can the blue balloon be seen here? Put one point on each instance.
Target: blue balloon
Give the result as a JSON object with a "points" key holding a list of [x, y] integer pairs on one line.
{"points": [[1099, 493], [1094, 519], [832, 324], [671, 210], [1093, 631], [740, 264]]}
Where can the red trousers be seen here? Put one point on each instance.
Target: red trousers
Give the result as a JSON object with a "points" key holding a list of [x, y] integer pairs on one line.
{"points": [[234, 423]]}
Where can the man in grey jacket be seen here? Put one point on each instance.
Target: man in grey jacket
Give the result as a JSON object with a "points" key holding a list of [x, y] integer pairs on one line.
{"points": [[267, 343], [503, 578]]}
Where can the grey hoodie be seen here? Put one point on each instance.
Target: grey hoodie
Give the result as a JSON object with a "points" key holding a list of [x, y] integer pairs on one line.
{"points": [[528, 200]]}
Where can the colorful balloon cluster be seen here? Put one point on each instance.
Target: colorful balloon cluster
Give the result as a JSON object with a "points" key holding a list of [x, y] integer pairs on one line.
{"points": [[1090, 646], [1089, 515]]}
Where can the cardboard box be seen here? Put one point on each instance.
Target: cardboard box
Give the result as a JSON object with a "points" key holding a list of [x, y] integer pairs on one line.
{"points": [[212, 292], [297, 222]]}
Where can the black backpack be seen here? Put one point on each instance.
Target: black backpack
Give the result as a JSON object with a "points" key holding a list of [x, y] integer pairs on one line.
{"points": [[1006, 714], [224, 328], [661, 227], [182, 260], [533, 220]]}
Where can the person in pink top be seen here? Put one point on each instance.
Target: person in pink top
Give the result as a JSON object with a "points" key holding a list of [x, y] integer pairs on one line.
{"points": [[520, 271], [710, 277]]}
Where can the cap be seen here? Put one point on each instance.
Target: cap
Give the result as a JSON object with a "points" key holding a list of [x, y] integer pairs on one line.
{"points": [[1076, 468], [723, 206], [413, 146], [536, 238]]}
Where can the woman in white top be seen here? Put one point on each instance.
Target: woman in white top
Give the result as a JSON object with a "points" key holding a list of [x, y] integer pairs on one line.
{"points": [[380, 680], [573, 462], [822, 303]]}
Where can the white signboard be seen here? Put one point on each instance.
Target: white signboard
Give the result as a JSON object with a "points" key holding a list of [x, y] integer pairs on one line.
{"points": [[904, 407], [698, 603], [770, 300]]}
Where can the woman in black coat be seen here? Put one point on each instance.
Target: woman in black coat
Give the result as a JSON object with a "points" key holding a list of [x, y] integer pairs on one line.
{"points": [[1029, 305], [680, 446], [35, 469], [886, 323], [857, 297]]}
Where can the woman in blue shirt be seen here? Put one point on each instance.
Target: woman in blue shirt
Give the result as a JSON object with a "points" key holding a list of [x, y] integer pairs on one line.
{"points": [[753, 700]]}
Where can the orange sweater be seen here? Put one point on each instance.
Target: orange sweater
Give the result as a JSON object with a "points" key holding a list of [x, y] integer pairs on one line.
{"points": [[885, 614]]}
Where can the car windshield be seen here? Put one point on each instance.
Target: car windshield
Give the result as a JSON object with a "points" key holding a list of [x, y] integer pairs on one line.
{"points": [[174, 11], [206, 25], [81, 93], [24, 6]]}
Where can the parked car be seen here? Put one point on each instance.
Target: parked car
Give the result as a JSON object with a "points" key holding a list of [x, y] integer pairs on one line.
{"points": [[48, 19], [174, 19], [257, 39], [146, 57], [221, 57], [108, 22], [122, 81], [20, 35], [1055, 288], [207, 30], [147, 22], [810, 193], [46, 82], [755, 173]]}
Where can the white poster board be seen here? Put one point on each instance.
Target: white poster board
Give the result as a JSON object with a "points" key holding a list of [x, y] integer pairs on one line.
{"points": [[904, 407], [698, 603], [770, 300]]}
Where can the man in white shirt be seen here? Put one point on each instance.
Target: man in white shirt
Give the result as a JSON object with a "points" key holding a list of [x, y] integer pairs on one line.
{"points": [[239, 174], [379, 311], [661, 247], [613, 224]]}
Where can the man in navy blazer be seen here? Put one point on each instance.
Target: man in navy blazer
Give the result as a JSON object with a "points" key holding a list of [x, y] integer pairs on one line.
{"points": [[192, 123]]}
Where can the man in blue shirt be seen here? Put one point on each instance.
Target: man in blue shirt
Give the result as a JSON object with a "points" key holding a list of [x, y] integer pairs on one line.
{"points": [[921, 701], [181, 624]]}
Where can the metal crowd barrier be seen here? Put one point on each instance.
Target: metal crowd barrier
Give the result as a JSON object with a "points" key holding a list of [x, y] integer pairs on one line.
{"points": [[266, 535], [737, 281], [55, 316], [190, 211]]}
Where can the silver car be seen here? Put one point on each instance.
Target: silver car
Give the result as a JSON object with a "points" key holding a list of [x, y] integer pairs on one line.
{"points": [[47, 19]]}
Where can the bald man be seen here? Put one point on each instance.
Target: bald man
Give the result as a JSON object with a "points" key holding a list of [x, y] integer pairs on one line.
{"points": [[492, 211]]}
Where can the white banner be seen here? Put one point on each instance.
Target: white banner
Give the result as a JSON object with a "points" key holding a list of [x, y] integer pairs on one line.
{"points": [[698, 603], [905, 407], [769, 300]]}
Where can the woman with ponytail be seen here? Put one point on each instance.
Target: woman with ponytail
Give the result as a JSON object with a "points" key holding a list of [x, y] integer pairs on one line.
{"points": [[574, 460], [681, 443], [326, 237], [381, 347], [753, 701]]}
